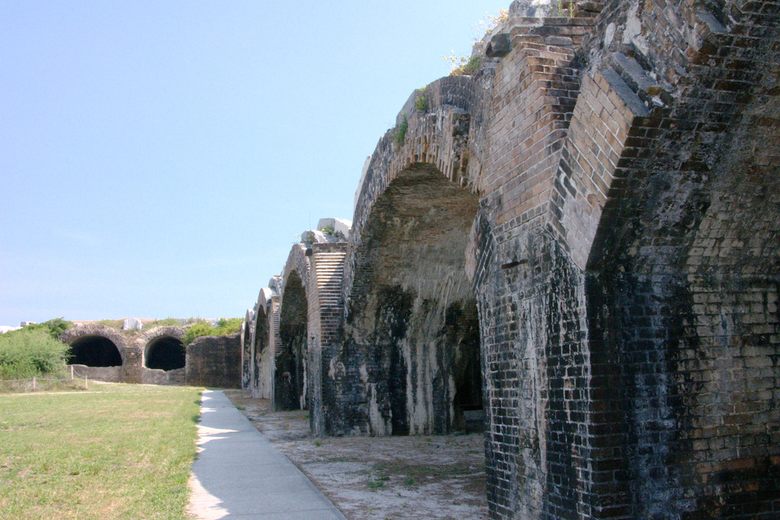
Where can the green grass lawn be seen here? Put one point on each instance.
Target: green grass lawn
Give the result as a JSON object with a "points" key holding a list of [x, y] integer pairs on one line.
{"points": [[115, 451]]}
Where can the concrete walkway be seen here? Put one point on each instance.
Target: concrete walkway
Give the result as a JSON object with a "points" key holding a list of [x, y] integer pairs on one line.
{"points": [[239, 474]]}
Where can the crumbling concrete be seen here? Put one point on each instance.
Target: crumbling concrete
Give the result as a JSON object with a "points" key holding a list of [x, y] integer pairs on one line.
{"points": [[594, 214]]}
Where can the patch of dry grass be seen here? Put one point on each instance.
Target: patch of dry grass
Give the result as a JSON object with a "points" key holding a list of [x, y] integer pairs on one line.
{"points": [[116, 451]]}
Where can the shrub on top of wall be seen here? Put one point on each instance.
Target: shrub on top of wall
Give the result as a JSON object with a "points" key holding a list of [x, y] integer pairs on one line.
{"points": [[54, 327], [31, 352], [223, 327], [467, 67], [167, 322]]}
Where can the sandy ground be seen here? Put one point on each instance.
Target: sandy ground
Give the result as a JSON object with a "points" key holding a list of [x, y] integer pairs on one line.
{"points": [[427, 477]]}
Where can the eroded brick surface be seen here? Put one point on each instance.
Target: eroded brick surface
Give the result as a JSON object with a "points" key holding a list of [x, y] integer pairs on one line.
{"points": [[594, 214], [214, 361]]}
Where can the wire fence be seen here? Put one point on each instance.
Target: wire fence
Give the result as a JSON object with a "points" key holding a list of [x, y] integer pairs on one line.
{"points": [[69, 381]]}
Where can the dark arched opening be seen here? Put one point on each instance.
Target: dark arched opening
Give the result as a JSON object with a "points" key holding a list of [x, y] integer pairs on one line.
{"points": [[165, 353], [462, 337], [261, 340], [289, 377], [94, 351], [413, 329], [246, 357]]}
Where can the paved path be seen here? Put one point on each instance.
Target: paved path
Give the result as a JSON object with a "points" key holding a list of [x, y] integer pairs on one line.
{"points": [[239, 474]]}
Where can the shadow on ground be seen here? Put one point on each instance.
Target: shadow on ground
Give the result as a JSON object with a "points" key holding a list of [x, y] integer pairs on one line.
{"points": [[439, 476], [238, 473]]}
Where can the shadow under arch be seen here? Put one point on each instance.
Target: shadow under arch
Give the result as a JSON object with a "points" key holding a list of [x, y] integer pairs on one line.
{"points": [[289, 384], [259, 347], [165, 353], [246, 351], [94, 351], [411, 337]]}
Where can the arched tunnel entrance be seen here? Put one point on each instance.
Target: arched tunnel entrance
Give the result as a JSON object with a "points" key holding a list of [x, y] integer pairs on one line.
{"points": [[94, 351], [246, 357], [258, 349], [289, 387], [165, 353], [413, 326]]}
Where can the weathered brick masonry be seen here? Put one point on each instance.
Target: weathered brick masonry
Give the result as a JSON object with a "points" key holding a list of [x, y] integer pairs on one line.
{"points": [[214, 361], [264, 338], [595, 215], [156, 356], [248, 370], [290, 359], [295, 327]]}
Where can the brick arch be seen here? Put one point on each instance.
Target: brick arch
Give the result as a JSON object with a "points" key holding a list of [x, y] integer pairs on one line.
{"points": [[437, 136], [263, 341], [150, 335], [128, 370], [247, 326], [79, 332], [259, 345], [623, 256], [434, 152], [668, 213], [298, 263], [411, 328], [149, 340], [290, 356]]}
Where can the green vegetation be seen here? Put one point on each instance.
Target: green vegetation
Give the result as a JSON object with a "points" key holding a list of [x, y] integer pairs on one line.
{"points": [[419, 473], [466, 67], [378, 483], [54, 327], [114, 324], [148, 325], [400, 131], [224, 327], [31, 352], [564, 11], [328, 230], [421, 101], [48, 383], [167, 322], [71, 455]]}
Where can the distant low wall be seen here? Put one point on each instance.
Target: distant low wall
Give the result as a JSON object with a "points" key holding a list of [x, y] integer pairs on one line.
{"points": [[214, 361], [107, 374], [155, 376]]}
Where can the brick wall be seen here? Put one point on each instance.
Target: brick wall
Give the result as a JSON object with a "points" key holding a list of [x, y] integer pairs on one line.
{"points": [[214, 361], [247, 370], [261, 340], [131, 352], [605, 189], [326, 307], [290, 358]]}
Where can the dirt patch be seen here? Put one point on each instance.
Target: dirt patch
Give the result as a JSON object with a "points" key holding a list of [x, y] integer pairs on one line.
{"points": [[440, 476]]}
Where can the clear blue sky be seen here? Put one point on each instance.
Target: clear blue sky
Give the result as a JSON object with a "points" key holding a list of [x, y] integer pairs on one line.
{"points": [[159, 158]]}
